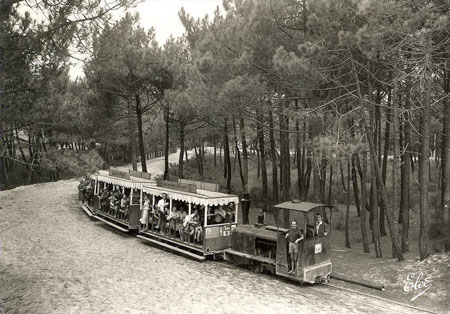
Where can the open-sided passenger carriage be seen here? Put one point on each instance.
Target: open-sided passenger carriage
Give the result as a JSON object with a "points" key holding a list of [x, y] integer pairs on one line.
{"points": [[199, 238], [264, 247], [128, 184]]}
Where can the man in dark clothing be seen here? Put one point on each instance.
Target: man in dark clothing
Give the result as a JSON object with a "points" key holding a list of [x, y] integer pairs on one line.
{"points": [[320, 228], [294, 236]]}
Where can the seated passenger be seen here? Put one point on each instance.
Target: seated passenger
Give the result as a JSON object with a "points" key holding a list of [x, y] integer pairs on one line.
{"points": [[320, 228], [117, 203], [198, 234], [104, 199], [230, 210], [219, 215], [123, 206], [112, 202], [89, 193], [180, 221], [172, 218], [191, 222]]}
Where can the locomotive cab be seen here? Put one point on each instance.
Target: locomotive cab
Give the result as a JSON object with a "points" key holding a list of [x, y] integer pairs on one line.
{"points": [[266, 247], [313, 262]]}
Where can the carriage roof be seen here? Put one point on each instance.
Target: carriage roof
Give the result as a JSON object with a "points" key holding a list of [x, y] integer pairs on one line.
{"points": [[201, 197], [304, 207], [133, 182]]}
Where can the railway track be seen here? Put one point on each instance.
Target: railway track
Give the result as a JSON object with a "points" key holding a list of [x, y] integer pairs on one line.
{"points": [[373, 300], [364, 299]]}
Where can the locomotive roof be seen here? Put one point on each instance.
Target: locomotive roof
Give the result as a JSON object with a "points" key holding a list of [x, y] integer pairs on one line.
{"points": [[300, 206]]}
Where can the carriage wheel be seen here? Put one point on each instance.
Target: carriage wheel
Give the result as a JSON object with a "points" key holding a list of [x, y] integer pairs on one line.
{"points": [[255, 267]]}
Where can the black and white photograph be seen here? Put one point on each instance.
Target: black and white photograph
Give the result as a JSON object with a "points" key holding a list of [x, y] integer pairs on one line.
{"points": [[224, 156]]}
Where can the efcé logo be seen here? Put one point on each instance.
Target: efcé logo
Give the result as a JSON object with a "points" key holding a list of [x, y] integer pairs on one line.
{"points": [[417, 283]]}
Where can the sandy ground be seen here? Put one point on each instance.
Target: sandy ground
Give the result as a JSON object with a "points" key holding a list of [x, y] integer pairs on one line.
{"points": [[54, 259]]}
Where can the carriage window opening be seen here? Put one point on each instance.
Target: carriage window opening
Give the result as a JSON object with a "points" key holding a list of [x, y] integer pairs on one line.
{"points": [[231, 213], [319, 225], [136, 199], [193, 225], [217, 215]]}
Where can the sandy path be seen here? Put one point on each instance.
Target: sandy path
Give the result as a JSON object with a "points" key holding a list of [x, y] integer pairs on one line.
{"points": [[155, 166], [54, 259]]}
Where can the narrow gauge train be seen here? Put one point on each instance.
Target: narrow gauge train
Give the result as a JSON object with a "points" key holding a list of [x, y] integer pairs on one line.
{"points": [[201, 223]]}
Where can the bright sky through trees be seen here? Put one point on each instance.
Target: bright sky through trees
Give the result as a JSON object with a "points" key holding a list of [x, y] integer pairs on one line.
{"points": [[162, 15]]}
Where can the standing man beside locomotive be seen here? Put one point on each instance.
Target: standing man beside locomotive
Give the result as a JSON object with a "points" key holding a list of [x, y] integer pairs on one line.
{"points": [[294, 235]]}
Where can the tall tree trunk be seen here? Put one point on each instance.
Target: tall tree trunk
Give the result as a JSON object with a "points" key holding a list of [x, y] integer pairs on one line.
{"points": [[363, 175], [181, 157], [347, 211], [284, 158], [323, 178], [445, 152], [244, 157], [274, 160], [235, 158], [44, 147], [220, 153], [215, 151], [355, 185], [406, 171], [258, 165], [202, 147], [392, 221], [395, 142], [303, 171], [341, 170], [298, 151], [330, 185], [285, 162], [22, 153], [131, 131], [227, 159], [198, 158], [385, 161], [3, 174], [166, 149], [424, 162], [30, 147], [140, 133], [374, 210], [238, 154], [307, 177], [262, 149]]}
